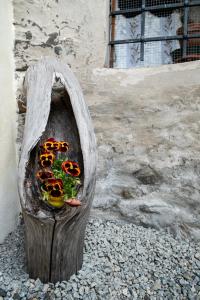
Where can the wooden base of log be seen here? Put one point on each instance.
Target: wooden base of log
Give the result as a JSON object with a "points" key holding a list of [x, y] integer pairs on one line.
{"points": [[54, 238], [54, 248]]}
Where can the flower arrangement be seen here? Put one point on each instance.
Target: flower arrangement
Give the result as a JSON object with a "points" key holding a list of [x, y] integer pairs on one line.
{"points": [[58, 177]]}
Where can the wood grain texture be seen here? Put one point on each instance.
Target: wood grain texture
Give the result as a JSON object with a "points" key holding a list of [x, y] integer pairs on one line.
{"points": [[55, 108], [38, 241]]}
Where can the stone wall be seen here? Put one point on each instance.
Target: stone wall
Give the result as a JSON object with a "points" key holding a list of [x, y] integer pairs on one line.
{"points": [[146, 120], [147, 123]]}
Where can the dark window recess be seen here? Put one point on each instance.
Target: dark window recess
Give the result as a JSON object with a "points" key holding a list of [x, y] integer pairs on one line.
{"points": [[153, 32]]}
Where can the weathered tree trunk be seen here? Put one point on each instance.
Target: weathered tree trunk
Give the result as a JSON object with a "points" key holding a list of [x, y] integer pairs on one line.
{"points": [[55, 108]]}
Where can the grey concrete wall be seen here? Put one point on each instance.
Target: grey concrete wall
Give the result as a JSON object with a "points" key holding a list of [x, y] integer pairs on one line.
{"points": [[147, 123], [146, 120]]}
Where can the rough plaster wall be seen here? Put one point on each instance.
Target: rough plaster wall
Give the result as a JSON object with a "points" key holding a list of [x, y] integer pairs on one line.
{"points": [[146, 120], [9, 202], [74, 31], [147, 123]]}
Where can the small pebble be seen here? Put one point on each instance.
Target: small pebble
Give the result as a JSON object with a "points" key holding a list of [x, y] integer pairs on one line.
{"points": [[3, 293], [121, 261]]}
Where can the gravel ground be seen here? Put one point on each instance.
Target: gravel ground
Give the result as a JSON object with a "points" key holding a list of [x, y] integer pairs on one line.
{"points": [[121, 261]]}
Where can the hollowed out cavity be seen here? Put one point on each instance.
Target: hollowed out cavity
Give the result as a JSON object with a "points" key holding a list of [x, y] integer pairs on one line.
{"points": [[62, 126]]}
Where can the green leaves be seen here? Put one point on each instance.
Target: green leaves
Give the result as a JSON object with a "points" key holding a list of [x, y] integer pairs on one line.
{"points": [[70, 183], [57, 164], [45, 196]]}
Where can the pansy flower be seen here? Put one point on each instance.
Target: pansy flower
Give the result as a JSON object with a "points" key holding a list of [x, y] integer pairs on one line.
{"points": [[63, 146], [54, 187], [43, 175], [51, 145], [47, 159], [71, 168]]}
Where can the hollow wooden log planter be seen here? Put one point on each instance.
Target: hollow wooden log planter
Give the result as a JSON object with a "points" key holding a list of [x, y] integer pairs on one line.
{"points": [[54, 238]]}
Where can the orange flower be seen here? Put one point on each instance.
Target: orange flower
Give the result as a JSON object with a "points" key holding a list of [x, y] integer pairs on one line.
{"points": [[56, 193], [66, 164], [71, 168], [47, 159], [53, 183], [54, 188], [51, 145], [63, 146], [43, 175]]}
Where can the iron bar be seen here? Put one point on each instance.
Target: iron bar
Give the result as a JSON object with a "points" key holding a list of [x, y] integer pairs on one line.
{"points": [[185, 27], [112, 33], [155, 39], [184, 37], [142, 31]]}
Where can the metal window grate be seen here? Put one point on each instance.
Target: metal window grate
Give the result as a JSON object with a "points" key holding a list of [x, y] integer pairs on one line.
{"points": [[153, 32]]}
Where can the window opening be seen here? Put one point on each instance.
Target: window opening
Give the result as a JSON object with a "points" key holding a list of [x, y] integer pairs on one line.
{"points": [[153, 32]]}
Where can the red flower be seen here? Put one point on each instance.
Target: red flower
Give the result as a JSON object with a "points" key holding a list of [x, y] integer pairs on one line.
{"points": [[47, 159], [51, 145], [66, 164], [63, 146], [43, 175], [51, 140], [54, 182], [54, 187], [71, 168]]}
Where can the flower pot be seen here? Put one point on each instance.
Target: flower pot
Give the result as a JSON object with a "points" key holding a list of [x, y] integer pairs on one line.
{"points": [[193, 53], [57, 202], [193, 28]]}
